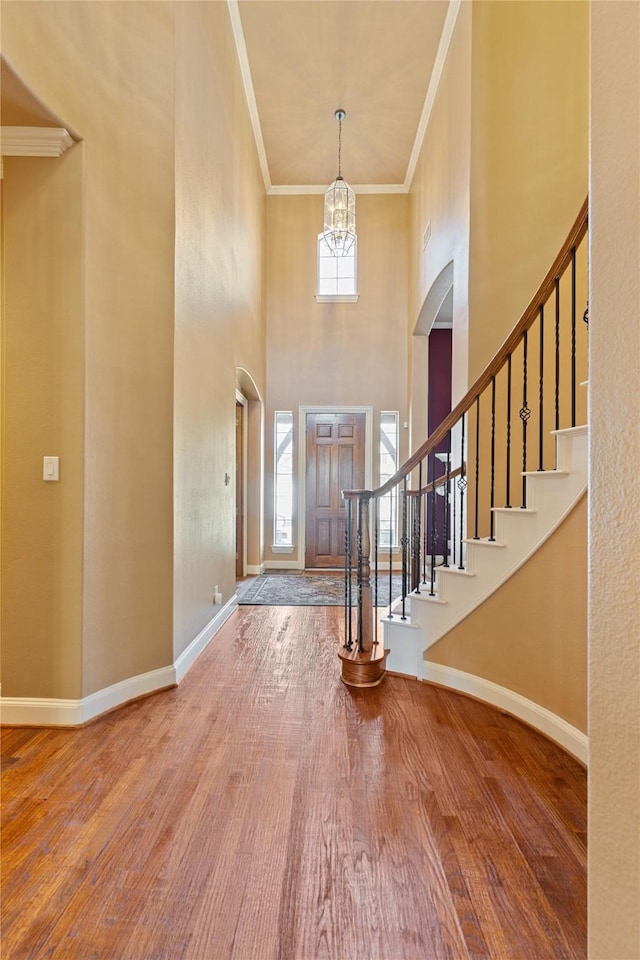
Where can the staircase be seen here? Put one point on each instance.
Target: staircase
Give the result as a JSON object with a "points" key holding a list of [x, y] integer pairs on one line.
{"points": [[519, 532], [484, 491]]}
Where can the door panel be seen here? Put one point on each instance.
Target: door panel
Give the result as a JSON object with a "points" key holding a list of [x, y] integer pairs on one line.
{"points": [[334, 462]]}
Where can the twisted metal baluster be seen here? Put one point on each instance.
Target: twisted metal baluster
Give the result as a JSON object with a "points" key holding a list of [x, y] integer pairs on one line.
{"points": [[348, 641], [445, 562], [419, 529], [493, 459], [508, 480], [462, 485], [475, 535], [392, 513], [573, 336], [557, 393], [376, 520], [432, 591], [359, 579], [404, 542], [525, 413], [541, 400]]}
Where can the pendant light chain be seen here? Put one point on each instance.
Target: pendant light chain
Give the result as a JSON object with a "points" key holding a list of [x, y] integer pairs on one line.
{"points": [[339, 148]]}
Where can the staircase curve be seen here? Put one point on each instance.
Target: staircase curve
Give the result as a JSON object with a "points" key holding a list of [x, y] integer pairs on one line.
{"points": [[482, 493]]}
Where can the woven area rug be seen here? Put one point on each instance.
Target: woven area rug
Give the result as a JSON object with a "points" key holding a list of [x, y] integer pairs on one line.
{"points": [[301, 589]]}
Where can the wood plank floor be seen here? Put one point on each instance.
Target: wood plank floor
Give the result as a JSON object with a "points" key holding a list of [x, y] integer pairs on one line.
{"points": [[263, 811]]}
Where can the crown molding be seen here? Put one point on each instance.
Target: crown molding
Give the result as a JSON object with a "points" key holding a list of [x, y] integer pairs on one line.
{"points": [[305, 189], [295, 190], [34, 141], [434, 82], [247, 81]]}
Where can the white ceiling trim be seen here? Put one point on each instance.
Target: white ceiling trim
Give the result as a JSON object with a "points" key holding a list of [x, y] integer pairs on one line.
{"points": [[34, 141], [432, 90], [245, 70], [301, 189]]}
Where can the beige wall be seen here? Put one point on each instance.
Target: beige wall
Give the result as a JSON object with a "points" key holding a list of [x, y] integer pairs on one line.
{"points": [[530, 636], [159, 234], [43, 414], [219, 317], [116, 92], [439, 195], [334, 353], [614, 514], [529, 152]]}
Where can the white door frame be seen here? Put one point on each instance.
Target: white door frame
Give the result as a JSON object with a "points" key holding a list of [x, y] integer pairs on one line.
{"points": [[242, 400], [303, 410]]}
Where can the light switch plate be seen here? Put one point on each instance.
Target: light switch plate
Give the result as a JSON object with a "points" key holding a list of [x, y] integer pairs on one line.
{"points": [[50, 468]]}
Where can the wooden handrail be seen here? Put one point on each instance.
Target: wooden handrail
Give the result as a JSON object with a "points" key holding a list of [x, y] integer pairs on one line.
{"points": [[543, 293], [438, 482]]}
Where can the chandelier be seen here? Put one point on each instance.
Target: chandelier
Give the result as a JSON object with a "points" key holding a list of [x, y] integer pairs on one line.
{"points": [[339, 207]]}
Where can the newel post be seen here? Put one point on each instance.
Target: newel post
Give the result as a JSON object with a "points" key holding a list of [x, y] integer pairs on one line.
{"points": [[365, 600], [363, 662]]}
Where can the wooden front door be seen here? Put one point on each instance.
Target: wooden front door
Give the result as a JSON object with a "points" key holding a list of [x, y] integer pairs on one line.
{"points": [[334, 462]]}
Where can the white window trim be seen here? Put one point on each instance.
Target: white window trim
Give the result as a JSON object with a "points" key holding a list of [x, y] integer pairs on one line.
{"points": [[337, 297], [282, 547]]}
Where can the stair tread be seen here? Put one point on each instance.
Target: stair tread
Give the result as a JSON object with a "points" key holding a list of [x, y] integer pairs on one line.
{"points": [[545, 473], [571, 431], [514, 510], [485, 542]]}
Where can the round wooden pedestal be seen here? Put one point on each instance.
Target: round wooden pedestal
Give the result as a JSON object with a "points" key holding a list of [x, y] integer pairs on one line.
{"points": [[363, 669]]}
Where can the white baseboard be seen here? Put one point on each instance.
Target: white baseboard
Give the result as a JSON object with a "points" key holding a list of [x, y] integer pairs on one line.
{"points": [[253, 569], [188, 656], [574, 741], [41, 712]]}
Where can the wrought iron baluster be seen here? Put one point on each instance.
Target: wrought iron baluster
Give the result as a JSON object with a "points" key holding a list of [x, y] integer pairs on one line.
{"points": [[508, 479], [476, 535], [445, 562], [419, 529], [453, 524], [359, 579], [541, 394], [404, 542], [432, 591], [348, 640], [425, 507], [525, 413], [392, 513], [557, 394], [573, 336], [462, 485], [493, 459], [376, 531]]}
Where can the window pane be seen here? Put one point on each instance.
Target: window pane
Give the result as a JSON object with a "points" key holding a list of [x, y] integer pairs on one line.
{"points": [[336, 275], [388, 453], [283, 486]]}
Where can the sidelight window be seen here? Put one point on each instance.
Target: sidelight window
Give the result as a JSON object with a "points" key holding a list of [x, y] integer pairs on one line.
{"points": [[283, 486], [388, 504]]}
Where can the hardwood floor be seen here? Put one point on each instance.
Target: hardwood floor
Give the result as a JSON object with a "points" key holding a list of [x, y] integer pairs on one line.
{"points": [[264, 811]]}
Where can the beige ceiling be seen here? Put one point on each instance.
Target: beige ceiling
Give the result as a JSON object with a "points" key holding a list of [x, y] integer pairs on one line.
{"points": [[373, 58]]}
